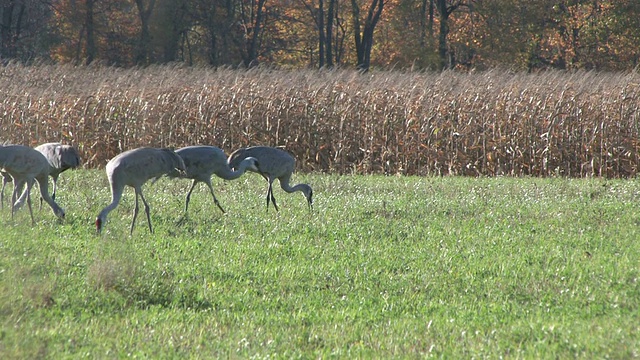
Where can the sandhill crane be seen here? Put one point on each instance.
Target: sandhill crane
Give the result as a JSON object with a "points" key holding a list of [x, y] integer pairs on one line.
{"points": [[203, 161], [273, 164], [26, 165], [60, 157], [134, 168]]}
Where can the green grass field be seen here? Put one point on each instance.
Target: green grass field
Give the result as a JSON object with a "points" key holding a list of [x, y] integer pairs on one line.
{"points": [[402, 267]]}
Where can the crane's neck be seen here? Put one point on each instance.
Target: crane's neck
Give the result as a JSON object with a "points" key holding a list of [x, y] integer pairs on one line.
{"points": [[299, 187], [304, 188], [116, 194], [43, 181], [244, 166]]}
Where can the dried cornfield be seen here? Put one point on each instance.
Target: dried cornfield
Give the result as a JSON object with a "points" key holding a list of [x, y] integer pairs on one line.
{"points": [[488, 123]]}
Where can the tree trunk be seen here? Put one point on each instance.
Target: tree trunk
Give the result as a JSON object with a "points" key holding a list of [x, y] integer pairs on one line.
{"points": [[329, 33], [254, 42], [143, 56], [431, 16], [442, 41], [444, 12], [91, 51], [364, 42], [10, 33], [321, 34], [6, 37]]}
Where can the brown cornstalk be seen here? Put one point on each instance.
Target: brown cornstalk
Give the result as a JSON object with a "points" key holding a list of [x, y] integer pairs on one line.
{"points": [[489, 123]]}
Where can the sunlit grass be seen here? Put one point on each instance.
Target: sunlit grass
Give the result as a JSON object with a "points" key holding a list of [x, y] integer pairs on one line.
{"points": [[382, 267]]}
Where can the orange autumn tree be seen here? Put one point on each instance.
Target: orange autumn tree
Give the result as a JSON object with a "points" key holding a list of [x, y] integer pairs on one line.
{"points": [[94, 30], [431, 34]]}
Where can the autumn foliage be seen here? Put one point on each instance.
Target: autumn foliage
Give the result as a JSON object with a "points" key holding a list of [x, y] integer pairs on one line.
{"points": [[390, 34], [486, 123]]}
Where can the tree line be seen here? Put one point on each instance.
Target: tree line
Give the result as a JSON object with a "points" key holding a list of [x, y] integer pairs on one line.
{"points": [[417, 34]]}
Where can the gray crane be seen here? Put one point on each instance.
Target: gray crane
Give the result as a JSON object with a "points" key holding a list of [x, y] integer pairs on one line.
{"points": [[134, 168], [60, 157], [26, 166], [203, 161], [272, 164]]}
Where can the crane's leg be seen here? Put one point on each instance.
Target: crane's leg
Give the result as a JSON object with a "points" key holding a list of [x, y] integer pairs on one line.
{"points": [[29, 185], [268, 197], [135, 213], [214, 197], [13, 198], [147, 210], [16, 188], [16, 200], [273, 199], [4, 183], [186, 205]]}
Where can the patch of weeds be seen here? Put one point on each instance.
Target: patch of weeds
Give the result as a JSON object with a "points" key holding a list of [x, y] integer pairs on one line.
{"points": [[34, 290], [138, 285], [109, 274]]}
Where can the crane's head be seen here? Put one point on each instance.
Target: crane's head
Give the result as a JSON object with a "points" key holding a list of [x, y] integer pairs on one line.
{"points": [[177, 163], [253, 164], [57, 210], [59, 213], [308, 193], [99, 223], [102, 218]]}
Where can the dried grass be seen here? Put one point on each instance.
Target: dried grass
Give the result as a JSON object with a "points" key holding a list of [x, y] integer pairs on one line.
{"points": [[489, 123]]}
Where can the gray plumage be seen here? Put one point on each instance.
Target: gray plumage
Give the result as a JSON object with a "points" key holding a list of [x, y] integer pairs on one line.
{"points": [[61, 158], [134, 168], [203, 161], [273, 164], [26, 166]]}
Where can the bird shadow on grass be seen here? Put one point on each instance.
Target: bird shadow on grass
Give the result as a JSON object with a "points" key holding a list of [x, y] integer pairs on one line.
{"points": [[182, 220]]}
